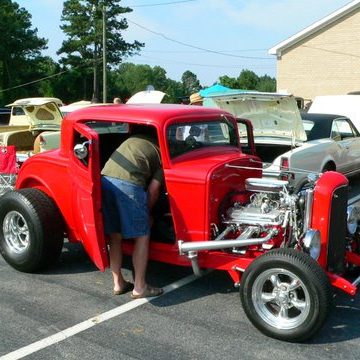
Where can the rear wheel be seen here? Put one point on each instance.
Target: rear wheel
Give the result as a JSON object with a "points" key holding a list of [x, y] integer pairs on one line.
{"points": [[31, 231], [286, 295], [329, 167]]}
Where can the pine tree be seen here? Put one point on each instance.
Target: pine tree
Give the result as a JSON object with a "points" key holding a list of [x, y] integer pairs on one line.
{"points": [[82, 23], [20, 52]]}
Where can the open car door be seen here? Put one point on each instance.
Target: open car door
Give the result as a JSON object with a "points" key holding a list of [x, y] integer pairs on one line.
{"points": [[86, 194], [246, 135]]}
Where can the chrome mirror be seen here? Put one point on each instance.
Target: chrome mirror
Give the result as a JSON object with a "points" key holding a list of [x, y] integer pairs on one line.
{"points": [[81, 150]]}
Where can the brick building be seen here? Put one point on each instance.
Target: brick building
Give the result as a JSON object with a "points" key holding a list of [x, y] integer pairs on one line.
{"points": [[324, 58]]}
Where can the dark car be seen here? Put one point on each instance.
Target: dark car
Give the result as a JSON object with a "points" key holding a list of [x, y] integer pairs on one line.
{"points": [[4, 116]]}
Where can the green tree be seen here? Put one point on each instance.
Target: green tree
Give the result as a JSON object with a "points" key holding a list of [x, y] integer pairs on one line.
{"points": [[190, 82], [267, 84], [129, 78], [247, 80], [72, 84], [229, 82], [174, 92], [82, 23], [20, 53]]}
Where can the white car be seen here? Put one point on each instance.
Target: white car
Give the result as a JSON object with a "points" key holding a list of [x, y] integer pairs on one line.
{"points": [[292, 147]]}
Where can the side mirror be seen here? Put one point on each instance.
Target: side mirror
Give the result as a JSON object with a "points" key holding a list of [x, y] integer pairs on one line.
{"points": [[81, 150]]}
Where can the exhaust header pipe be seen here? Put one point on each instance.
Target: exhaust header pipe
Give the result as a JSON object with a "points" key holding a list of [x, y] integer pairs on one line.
{"points": [[186, 247]]}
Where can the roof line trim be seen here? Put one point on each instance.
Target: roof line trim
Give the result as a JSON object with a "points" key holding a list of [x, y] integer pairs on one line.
{"points": [[338, 14]]}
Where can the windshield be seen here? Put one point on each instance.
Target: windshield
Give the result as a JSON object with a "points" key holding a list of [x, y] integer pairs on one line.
{"points": [[184, 137]]}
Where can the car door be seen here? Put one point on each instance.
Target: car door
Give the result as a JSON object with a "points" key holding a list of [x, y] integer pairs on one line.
{"points": [[349, 141], [86, 194], [246, 135]]}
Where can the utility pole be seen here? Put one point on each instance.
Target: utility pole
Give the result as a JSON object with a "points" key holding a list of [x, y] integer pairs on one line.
{"points": [[95, 96], [104, 54]]}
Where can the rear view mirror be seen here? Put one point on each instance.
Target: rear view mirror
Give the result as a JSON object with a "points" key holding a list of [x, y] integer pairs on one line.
{"points": [[81, 150]]}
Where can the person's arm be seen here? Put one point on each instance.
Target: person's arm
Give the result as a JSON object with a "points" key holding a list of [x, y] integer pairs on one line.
{"points": [[153, 191]]}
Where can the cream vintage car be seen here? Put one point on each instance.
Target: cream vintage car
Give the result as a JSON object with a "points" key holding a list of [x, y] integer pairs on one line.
{"points": [[50, 140], [292, 147], [30, 117]]}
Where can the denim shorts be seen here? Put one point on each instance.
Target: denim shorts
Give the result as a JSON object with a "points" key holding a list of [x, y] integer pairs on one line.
{"points": [[125, 208]]}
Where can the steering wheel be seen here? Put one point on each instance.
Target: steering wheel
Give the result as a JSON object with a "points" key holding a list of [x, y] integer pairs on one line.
{"points": [[191, 141]]}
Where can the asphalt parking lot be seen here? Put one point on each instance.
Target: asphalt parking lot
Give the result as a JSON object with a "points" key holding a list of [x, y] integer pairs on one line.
{"points": [[69, 312], [45, 316]]}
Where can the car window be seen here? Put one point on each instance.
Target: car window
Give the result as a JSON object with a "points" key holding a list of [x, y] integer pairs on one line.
{"points": [[344, 129], [335, 132], [108, 127], [185, 137], [16, 110], [308, 125]]}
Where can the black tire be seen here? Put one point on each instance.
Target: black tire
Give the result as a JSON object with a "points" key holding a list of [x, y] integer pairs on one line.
{"points": [[302, 186], [281, 312], [329, 167], [31, 230]]}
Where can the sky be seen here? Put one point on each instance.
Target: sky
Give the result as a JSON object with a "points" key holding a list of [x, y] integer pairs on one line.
{"points": [[211, 38]]}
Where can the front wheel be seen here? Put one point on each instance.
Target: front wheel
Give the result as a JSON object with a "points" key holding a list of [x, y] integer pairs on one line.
{"points": [[31, 232], [286, 295]]}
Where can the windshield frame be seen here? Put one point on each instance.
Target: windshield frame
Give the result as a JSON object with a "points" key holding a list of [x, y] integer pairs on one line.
{"points": [[184, 137]]}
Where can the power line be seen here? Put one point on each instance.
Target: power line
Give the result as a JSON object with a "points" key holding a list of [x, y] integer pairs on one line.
{"points": [[197, 47], [204, 65], [330, 51], [197, 51], [34, 81], [160, 4], [46, 77]]}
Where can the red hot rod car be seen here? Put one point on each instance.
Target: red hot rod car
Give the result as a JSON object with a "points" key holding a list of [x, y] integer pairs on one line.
{"points": [[283, 249]]}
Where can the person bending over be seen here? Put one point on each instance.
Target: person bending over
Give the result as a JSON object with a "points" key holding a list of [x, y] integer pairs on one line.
{"points": [[131, 181]]}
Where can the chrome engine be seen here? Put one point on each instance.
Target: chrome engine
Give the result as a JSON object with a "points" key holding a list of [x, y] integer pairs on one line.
{"points": [[270, 205], [271, 217]]}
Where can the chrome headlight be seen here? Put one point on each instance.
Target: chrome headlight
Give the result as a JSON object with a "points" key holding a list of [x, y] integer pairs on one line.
{"points": [[312, 243], [353, 217]]}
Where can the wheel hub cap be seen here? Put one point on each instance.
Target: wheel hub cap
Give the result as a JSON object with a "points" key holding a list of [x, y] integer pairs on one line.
{"points": [[16, 232], [281, 299]]}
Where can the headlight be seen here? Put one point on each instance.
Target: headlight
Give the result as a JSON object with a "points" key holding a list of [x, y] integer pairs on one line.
{"points": [[353, 213], [312, 243]]}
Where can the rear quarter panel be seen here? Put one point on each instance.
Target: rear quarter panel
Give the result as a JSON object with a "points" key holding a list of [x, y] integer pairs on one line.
{"points": [[311, 156]]}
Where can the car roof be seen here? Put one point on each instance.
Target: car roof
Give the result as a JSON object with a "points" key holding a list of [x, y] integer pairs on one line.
{"points": [[143, 113], [320, 117], [36, 101], [322, 124]]}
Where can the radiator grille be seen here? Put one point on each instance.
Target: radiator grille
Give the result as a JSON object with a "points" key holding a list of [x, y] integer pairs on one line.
{"points": [[337, 230]]}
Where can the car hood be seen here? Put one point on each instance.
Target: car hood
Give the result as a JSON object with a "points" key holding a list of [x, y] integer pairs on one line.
{"points": [[272, 115], [37, 113], [147, 97]]}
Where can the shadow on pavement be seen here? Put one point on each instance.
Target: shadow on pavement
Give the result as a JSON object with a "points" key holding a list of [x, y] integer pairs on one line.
{"points": [[344, 321], [73, 259]]}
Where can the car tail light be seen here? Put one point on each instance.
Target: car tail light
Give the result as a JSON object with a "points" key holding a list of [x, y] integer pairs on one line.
{"points": [[284, 163], [284, 168]]}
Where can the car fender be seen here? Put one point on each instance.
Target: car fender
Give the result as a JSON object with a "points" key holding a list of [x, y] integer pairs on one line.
{"points": [[310, 156]]}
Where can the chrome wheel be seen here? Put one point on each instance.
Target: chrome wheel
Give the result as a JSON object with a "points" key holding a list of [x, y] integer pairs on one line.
{"points": [[281, 299], [16, 232]]}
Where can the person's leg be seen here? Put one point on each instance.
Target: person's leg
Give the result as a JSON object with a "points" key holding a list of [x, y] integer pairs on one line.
{"points": [[140, 259], [115, 254], [134, 215]]}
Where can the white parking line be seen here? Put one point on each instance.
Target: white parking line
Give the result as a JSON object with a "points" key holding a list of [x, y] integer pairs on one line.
{"points": [[87, 324]]}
